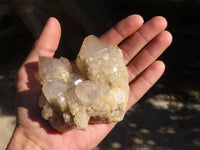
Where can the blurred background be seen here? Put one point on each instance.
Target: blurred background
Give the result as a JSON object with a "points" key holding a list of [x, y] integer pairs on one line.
{"points": [[166, 118]]}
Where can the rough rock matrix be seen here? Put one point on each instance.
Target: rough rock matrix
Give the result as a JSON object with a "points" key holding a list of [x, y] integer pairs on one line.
{"points": [[93, 90]]}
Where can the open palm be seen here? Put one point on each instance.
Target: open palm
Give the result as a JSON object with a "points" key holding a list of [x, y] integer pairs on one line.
{"points": [[142, 45]]}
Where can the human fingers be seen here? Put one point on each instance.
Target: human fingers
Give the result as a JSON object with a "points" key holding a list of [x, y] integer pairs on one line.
{"points": [[122, 30], [149, 54], [145, 81], [141, 37]]}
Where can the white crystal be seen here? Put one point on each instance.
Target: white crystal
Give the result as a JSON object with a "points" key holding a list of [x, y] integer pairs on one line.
{"points": [[95, 90]]}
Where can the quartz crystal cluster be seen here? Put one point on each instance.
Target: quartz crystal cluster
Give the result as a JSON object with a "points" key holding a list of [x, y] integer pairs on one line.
{"points": [[94, 89]]}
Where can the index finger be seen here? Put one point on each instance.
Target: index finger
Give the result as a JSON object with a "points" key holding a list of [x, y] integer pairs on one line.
{"points": [[122, 30]]}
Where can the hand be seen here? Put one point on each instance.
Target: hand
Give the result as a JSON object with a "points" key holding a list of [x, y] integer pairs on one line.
{"points": [[142, 45]]}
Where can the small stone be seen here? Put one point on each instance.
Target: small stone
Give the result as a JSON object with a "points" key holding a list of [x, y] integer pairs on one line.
{"points": [[94, 90]]}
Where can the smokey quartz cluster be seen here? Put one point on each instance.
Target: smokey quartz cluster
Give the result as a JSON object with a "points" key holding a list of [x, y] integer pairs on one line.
{"points": [[93, 90]]}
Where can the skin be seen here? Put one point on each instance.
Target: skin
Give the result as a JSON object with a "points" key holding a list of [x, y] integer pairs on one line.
{"points": [[142, 44]]}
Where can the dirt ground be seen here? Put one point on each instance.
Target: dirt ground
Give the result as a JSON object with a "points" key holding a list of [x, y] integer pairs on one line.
{"points": [[166, 118]]}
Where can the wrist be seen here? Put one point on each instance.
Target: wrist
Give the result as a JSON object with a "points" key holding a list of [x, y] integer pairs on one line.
{"points": [[20, 142]]}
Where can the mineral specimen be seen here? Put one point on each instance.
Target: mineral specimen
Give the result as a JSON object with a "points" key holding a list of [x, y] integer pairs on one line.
{"points": [[93, 90]]}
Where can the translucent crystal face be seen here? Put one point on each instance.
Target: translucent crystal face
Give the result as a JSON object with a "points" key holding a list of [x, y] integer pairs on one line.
{"points": [[95, 90]]}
